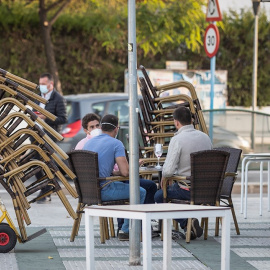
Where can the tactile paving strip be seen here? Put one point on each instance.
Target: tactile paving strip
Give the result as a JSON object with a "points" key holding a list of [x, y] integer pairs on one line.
{"points": [[68, 233], [123, 265], [248, 241], [252, 226], [120, 253], [8, 261], [252, 252], [260, 265], [255, 233], [63, 241]]}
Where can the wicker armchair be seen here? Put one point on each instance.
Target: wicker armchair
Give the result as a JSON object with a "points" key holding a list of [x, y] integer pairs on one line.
{"points": [[226, 191], [206, 180], [85, 166]]}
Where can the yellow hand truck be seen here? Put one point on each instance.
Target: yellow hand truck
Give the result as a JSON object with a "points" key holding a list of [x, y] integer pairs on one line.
{"points": [[8, 232]]}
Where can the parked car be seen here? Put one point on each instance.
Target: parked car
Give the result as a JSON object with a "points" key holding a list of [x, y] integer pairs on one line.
{"points": [[117, 104]]}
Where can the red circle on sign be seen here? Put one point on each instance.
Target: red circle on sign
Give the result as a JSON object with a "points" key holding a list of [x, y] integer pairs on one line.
{"points": [[211, 40]]}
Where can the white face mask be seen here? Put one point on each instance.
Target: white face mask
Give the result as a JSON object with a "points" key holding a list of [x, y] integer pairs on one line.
{"points": [[43, 89], [95, 132]]}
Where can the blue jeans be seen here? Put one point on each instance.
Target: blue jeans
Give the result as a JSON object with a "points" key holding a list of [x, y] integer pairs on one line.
{"points": [[151, 189], [174, 192], [120, 191]]}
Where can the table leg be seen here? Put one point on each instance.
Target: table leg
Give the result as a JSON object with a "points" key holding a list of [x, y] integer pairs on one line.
{"points": [[242, 183], [246, 188], [225, 241], [147, 244], [268, 187], [261, 186], [89, 242], [167, 244]]}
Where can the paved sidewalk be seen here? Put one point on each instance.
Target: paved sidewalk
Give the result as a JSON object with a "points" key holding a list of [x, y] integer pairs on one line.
{"points": [[250, 250]]}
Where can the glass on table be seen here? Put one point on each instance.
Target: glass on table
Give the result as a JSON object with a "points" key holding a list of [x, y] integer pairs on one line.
{"points": [[158, 148]]}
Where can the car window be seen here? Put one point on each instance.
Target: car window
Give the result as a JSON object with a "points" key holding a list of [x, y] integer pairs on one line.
{"points": [[73, 111], [98, 108], [119, 108]]}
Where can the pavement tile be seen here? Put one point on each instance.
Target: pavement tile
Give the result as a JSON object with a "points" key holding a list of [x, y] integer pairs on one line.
{"points": [[260, 265], [8, 261], [253, 252], [248, 241], [250, 250], [124, 265], [116, 253]]}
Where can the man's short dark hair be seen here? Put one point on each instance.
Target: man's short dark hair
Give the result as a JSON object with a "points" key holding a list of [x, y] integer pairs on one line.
{"points": [[183, 115], [47, 75], [109, 122], [88, 118]]}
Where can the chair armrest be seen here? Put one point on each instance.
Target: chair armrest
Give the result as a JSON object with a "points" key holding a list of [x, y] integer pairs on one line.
{"points": [[177, 178], [233, 174], [112, 179]]}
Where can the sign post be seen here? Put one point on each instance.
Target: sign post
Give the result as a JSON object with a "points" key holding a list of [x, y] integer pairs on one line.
{"points": [[134, 184], [211, 45]]}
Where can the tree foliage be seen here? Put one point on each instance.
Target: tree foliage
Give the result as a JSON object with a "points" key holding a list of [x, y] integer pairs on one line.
{"points": [[236, 55], [90, 43]]}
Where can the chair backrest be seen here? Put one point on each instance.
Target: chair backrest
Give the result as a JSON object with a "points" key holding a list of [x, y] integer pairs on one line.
{"points": [[232, 166], [207, 173], [85, 165]]}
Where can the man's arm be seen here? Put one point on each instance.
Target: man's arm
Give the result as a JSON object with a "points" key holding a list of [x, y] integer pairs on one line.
{"points": [[172, 159], [123, 166]]}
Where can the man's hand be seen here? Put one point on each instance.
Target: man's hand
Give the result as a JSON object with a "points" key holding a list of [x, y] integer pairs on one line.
{"points": [[141, 162], [116, 173], [162, 182]]}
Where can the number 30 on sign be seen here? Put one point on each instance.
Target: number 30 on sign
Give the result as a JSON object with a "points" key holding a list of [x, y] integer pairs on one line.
{"points": [[211, 40]]}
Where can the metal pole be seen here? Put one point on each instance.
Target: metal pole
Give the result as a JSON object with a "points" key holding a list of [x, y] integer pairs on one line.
{"points": [[135, 228], [212, 95], [256, 6]]}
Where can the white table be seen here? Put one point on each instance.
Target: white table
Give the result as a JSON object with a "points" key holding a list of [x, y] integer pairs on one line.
{"points": [[146, 212], [251, 158]]}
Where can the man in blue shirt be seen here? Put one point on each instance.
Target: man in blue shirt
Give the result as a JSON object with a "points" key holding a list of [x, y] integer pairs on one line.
{"points": [[110, 151]]}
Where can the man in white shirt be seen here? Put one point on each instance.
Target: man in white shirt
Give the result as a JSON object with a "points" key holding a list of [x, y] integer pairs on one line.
{"points": [[186, 140]]}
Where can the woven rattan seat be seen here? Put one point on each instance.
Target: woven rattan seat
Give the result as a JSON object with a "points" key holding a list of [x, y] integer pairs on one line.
{"points": [[85, 165], [206, 180], [226, 191]]}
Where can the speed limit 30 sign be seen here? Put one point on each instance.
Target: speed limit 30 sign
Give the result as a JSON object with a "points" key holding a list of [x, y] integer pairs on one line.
{"points": [[211, 40]]}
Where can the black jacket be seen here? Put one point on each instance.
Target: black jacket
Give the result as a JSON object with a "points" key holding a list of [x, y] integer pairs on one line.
{"points": [[57, 106]]}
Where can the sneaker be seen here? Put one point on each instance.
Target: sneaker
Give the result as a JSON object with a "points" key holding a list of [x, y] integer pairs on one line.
{"points": [[176, 235], [196, 228], [46, 199], [155, 234], [122, 236]]}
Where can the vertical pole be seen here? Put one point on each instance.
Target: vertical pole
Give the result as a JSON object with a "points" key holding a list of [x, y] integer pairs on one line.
{"points": [[134, 191], [212, 95], [254, 75]]}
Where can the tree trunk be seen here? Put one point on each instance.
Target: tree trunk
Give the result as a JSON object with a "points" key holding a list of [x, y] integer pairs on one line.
{"points": [[48, 45]]}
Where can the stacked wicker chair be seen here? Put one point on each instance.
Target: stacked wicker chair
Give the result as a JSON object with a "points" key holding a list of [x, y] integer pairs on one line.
{"points": [[156, 126], [156, 123], [18, 160]]}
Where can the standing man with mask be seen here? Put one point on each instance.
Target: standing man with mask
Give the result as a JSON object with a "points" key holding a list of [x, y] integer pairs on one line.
{"points": [[55, 105]]}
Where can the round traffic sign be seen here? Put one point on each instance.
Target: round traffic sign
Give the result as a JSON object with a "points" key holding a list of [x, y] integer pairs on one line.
{"points": [[211, 40]]}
